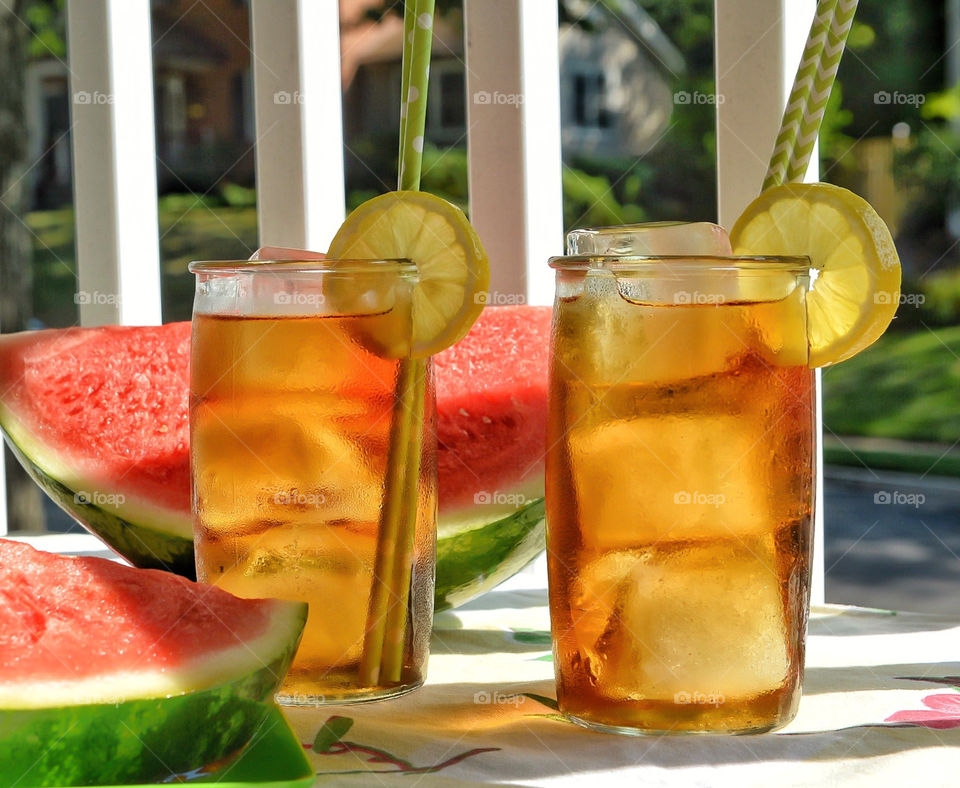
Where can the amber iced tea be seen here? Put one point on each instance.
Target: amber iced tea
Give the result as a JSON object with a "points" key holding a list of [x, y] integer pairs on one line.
{"points": [[679, 493], [291, 420]]}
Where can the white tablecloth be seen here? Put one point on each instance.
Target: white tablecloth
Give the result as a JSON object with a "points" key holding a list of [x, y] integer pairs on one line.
{"points": [[880, 707]]}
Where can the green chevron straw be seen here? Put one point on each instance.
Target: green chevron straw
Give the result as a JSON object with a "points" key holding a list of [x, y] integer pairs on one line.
{"points": [[811, 91], [385, 639]]}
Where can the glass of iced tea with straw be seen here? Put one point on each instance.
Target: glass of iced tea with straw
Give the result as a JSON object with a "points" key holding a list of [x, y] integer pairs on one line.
{"points": [[679, 490], [311, 481]]}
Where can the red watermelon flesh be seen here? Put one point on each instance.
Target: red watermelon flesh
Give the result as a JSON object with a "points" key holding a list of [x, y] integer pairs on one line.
{"points": [[492, 405], [75, 618], [113, 402]]}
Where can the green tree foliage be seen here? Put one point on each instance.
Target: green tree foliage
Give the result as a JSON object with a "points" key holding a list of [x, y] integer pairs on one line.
{"points": [[588, 199], [889, 75], [896, 46], [47, 21]]}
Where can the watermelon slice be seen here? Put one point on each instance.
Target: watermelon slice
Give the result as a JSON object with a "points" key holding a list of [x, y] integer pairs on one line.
{"points": [[99, 418], [110, 674], [491, 441]]}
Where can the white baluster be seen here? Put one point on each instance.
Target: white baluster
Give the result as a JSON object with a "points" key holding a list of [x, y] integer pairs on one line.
{"points": [[297, 95], [114, 161], [513, 116]]}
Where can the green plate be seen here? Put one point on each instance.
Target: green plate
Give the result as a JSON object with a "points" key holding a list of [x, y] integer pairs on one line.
{"points": [[273, 759]]}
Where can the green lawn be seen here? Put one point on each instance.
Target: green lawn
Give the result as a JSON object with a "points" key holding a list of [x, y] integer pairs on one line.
{"points": [[905, 386], [189, 231]]}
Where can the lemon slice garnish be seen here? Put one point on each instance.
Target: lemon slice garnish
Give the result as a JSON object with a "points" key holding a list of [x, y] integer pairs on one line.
{"points": [[857, 291], [452, 266]]}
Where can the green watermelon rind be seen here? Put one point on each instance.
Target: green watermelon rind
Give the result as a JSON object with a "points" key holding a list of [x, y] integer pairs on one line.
{"points": [[472, 562], [145, 739], [146, 544]]}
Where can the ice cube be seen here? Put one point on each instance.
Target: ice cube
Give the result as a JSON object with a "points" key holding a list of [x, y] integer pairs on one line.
{"points": [[279, 459], [599, 334], [328, 567], [692, 475], [651, 238], [673, 620], [619, 319], [618, 331]]}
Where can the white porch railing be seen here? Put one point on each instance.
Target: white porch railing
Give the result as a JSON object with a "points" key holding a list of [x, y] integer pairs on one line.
{"points": [[516, 199], [513, 148], [114, 161], [299, 139]]}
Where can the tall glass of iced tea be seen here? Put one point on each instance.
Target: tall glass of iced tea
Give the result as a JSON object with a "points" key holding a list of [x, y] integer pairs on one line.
{"points": [[294, 424], [679, 491]]}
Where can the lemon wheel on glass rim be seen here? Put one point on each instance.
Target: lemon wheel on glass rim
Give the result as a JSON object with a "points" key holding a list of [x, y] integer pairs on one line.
{"points": [[452, 267], [857, 289]]}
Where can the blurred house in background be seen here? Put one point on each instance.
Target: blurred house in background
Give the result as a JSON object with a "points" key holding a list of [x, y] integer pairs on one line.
{"points": [[617, 79], [202, 95], [618, 73]]}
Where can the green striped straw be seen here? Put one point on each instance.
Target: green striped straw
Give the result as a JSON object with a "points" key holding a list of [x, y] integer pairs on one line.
{"points": [[811, 91], [385, 639]]}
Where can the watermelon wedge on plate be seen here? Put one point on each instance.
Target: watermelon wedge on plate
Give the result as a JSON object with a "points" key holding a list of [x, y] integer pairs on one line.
{"points": [[99, 418], [110, 674]]}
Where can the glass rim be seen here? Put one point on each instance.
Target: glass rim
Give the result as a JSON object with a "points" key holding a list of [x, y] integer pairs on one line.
{"points": [[328, 265], [799, 264]]}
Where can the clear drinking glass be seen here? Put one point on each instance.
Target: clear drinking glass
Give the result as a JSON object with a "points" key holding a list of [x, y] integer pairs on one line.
{"points": [[294, 420], [680, 491]]}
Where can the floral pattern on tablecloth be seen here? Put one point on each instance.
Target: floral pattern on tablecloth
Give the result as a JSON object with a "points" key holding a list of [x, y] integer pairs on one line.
{"points": [[943, 709]]}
